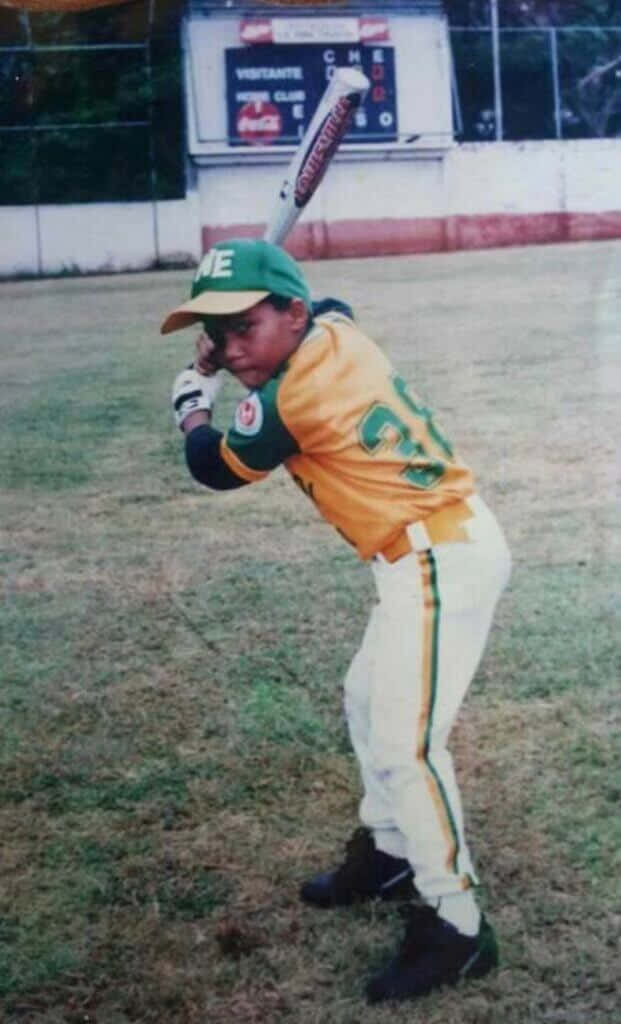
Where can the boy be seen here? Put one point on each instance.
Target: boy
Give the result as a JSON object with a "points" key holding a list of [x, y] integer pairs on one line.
{"points": [[326, 403]]}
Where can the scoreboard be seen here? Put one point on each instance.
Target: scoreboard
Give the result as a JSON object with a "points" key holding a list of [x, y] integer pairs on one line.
{"points": [[272, 91]]}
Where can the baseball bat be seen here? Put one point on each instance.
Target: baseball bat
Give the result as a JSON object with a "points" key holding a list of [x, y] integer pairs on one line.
{"points": [[343, 95]]}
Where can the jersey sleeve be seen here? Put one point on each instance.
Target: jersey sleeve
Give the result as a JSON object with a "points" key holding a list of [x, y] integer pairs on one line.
{"points": [[258, 440], [202, 452]]}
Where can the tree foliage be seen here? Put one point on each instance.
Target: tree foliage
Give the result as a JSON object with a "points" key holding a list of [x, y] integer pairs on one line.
{"points": [[87, 124], [523, 13], [588, 73], [106, 124]]}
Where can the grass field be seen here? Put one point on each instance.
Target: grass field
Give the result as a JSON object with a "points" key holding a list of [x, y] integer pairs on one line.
{"points": [[173, 757]]}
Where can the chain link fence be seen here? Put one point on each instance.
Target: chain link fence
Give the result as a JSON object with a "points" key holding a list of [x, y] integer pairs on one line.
{"points": [[91, 105], [556, 83]]}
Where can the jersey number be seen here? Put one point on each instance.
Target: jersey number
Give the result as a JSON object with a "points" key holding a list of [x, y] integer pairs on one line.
{"points": [[381, 426]]}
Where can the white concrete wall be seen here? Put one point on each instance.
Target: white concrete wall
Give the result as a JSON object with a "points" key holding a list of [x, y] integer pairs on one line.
{"points": [[98, 236], [18, 245], [473, 196], [592, 175], [471, 179], [572, 187], [361, 188], [581, 176]]}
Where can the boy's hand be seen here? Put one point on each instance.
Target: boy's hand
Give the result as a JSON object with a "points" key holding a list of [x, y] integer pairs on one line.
{"points": [[193, 392], [207, 359]]}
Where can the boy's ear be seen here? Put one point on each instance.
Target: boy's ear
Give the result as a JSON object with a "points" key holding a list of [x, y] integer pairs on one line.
{"points": [[298, 311]]}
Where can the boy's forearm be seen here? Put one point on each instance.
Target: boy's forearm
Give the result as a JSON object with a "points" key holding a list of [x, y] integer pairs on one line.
{"points": [[202, 452], [195, 419]]}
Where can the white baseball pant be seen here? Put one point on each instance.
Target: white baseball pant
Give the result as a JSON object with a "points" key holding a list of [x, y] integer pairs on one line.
{"points": [[421, 648]]}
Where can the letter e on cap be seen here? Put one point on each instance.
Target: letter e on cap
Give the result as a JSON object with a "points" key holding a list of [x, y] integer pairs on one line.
{"points": [[216, 263], [222, 265]]}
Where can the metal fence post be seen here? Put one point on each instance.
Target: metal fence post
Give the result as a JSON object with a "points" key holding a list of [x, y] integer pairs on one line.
{"points": [[152, 164], [34, 148], [497, 76], [558, 121], [457, 112]]}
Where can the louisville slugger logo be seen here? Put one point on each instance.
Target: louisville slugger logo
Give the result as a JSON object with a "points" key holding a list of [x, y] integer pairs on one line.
{"points": [[323, 147]]}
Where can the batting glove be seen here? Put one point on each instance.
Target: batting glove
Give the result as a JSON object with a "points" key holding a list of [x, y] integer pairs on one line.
{"points": [[193, 391]]}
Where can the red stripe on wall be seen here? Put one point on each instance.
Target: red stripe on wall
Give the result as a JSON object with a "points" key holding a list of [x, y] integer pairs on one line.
{"points": [[586, 226], [388, 237], [485, 231]]}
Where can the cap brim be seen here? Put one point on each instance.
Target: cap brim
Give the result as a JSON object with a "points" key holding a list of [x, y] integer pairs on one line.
{"points": [[210, 304]]}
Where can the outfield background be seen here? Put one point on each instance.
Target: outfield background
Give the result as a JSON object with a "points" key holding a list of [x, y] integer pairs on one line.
{"points": [[173, 760], [137, 106]]}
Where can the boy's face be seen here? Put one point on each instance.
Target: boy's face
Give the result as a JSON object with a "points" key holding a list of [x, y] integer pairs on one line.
{"points": [[253, 344]]}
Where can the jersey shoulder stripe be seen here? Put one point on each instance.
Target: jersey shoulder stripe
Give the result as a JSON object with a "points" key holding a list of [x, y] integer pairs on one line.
{"points": [[235, 464]]}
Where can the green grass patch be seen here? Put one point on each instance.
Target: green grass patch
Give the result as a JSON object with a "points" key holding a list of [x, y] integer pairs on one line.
{"points": [[173, 755], [561, 632]]}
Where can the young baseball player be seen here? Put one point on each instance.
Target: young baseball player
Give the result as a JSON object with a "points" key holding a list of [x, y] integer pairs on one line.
{"points": [[325, 402]]}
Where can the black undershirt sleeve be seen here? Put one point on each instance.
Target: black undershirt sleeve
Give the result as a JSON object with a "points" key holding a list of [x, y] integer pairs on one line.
{"points": [[202, 452]]}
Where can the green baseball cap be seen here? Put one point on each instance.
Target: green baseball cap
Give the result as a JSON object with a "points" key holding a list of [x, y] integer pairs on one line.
{"points": [[235, 275]]}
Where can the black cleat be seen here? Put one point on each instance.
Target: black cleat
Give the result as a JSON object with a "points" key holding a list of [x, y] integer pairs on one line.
{"points": [[366, 873], [433, 953]]}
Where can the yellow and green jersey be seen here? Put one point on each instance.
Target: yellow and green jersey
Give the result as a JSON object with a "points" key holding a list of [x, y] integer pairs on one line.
{"points": [[352, 435]]}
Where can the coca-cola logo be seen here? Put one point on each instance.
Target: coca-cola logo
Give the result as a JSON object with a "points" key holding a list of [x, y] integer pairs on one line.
{"points": [[259, 123]]}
